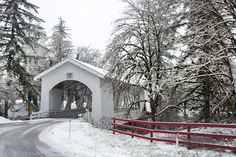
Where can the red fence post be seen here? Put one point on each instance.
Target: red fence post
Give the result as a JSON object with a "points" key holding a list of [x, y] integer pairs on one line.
{"points": [[151, 135], [189, 137], [132, 130], [114, 122]]}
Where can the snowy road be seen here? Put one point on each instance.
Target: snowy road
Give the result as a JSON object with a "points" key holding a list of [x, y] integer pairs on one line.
{"points": [[21, 139]]}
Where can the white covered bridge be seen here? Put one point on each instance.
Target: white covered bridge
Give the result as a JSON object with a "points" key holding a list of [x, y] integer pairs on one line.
{"points": [[70, 72]]}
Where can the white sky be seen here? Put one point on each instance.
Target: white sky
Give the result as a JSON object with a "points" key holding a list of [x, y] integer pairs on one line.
{"points": [[90, 21]]}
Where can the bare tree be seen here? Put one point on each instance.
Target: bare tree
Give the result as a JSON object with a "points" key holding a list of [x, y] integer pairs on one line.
{"points": [[140, 46], [88, 55]]}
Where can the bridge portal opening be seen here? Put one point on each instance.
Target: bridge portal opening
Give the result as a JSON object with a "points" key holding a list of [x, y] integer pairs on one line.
{"points": [[69, 98]]}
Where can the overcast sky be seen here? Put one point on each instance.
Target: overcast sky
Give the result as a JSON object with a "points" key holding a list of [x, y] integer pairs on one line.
{"points": [[90, 21]]}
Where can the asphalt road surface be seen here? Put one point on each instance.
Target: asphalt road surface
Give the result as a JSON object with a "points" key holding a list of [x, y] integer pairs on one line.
{"points": [[22, 139]]}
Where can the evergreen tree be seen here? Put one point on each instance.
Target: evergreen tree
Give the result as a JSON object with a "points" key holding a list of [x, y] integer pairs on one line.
{"points": [[19, 28], [209, 83], [20, 31], [60, 45]]}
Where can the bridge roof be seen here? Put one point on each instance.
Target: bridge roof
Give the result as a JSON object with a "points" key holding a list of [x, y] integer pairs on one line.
{"points": [[88, 67]]}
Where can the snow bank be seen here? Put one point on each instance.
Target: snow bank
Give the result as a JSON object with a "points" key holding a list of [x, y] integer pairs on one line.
{"points": [[88, 141], [4, 120]]}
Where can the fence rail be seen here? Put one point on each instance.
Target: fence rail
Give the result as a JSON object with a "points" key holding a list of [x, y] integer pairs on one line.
{"points": [[130, 126], [36, 115], [57, 114]]}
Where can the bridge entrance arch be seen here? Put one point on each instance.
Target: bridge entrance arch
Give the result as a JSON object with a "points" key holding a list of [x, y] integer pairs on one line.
{"points": [[69, 98]]}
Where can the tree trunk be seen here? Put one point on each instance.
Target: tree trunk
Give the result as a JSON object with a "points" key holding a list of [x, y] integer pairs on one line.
{"points": [[77, 99], [117, 99], [6, 109], [231, 67], [70, 98], [185, 111], [153, 109], [29, 96], [206, 95], [206, 82], [35, 102], [82, 98]]}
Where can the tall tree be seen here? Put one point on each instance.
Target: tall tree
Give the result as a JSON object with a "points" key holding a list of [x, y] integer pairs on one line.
{"points": [[60, 45], [19, 30], [207, 74], [141, 46]]}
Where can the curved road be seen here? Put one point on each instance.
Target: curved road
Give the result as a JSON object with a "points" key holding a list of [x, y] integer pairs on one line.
{"points": [[22, 139]]}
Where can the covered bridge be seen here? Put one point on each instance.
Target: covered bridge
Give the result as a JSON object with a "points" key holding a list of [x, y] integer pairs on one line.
{"points": [[70, 73]]}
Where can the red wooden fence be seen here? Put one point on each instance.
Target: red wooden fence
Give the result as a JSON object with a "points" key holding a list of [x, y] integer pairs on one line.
{"points": [[130, 130]]}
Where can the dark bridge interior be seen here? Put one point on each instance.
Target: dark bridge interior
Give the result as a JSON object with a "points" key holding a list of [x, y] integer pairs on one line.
{"points": [[75, 99]]}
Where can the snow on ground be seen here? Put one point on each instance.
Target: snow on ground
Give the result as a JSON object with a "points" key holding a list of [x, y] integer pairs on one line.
{"points": [[229, 131], [88, 141], [218, 131], [4, 120]]}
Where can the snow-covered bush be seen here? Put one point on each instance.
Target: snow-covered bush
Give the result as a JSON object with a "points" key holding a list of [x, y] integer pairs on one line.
{"points": [[104, 123]]}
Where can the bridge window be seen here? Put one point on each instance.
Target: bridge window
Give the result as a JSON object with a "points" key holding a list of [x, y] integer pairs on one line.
{"points": [[69, 75]]}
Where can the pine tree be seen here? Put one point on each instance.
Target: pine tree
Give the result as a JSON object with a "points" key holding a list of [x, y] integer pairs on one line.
{"points": [[60, 44], [20, 31], [208, 76], [19, 28]]}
